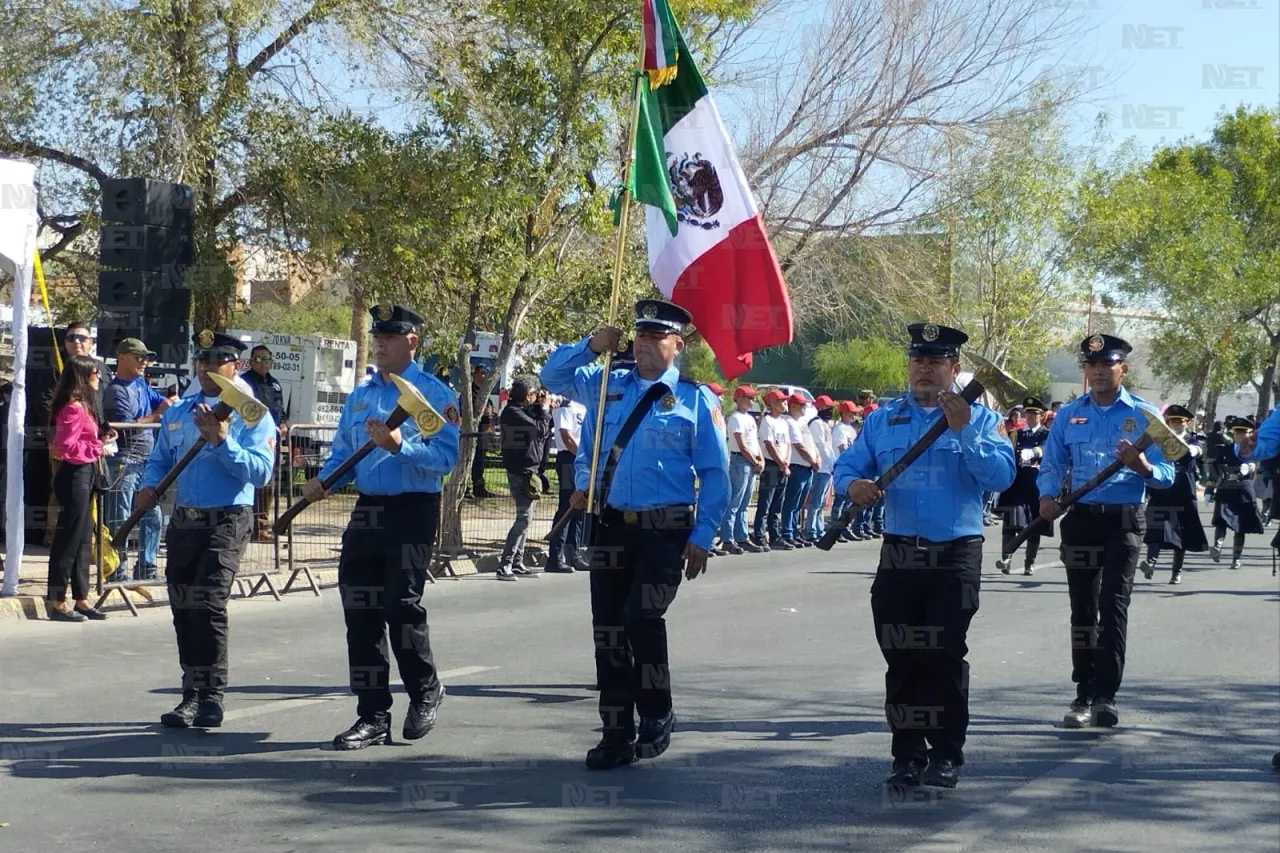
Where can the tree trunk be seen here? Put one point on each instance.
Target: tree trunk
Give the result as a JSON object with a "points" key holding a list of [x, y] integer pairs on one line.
{"points": [[359, 321], [1211, 406], [1268, 380], [1198, 383]]}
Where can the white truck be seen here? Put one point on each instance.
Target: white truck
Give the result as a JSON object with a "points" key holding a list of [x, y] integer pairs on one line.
{"points": [[315, 372]]}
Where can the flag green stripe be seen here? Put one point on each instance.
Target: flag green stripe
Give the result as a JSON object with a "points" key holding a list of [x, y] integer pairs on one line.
{"points": [[678, 98], [648, 182]]}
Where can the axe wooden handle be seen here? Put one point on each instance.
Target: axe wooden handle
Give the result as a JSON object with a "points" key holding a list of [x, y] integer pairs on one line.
{"points": [[559, 526], [221, 411], [1073, 497], [397, 417], [969, 393]]}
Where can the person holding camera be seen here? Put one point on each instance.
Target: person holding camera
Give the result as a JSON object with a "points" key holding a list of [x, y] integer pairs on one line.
{"points": [[526, 426]]}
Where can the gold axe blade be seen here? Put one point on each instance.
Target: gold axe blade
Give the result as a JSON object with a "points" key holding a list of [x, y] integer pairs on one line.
{"points": [[249, 409], [411, 400], [1007, 391], [1164, 438]]}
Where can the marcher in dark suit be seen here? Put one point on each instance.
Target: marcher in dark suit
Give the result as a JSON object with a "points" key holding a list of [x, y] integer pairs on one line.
{"points": [[1173, 514], [1019, 505], [1235, 501]]}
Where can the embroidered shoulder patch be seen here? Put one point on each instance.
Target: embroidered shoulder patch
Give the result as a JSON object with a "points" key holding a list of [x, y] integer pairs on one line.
{"points": [[451, 414], [717, 417], [1002, 429]]}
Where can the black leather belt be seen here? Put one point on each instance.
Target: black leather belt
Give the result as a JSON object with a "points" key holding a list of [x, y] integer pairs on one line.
{"points": [[675, 517], [1102, 509], [921, 542], [207, 515]]}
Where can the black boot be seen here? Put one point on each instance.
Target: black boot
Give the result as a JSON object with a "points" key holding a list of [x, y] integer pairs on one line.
{"points": [[612, 751], [182, 716], [372, 730], [209, 715], [906, 773], [942, 773], [422, 714], [655, 735]]}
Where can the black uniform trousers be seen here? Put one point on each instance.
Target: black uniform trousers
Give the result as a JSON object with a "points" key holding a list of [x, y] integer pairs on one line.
{"points": [[1101, 544], [204, 548], [923, 598], [69, 552], [637, 561], [386, 554]]}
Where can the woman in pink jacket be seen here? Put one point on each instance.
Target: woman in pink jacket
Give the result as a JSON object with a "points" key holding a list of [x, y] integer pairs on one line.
{"points": [[77, 442]]}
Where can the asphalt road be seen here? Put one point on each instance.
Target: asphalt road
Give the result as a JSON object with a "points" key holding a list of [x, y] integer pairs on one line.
{"points": [[782, 744]]}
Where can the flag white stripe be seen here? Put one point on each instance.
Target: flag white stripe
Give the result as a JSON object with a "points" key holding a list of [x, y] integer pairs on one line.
{"points": [[701, 132]]}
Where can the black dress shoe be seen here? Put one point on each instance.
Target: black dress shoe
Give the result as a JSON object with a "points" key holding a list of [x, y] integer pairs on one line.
{"points": [[942, 773], [655, 735], [1275, 761], [367, 731], [781, 545], [906, 773], [182, 716], [422, 714], [93, 614], [209, 714], [750, 547], [558, 569], [68, 615], [611, 752], [732, 548], [1105, 715]]}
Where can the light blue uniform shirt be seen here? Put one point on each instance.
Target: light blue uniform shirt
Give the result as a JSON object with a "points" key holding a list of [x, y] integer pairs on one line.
{"points": [[1268, 439], [421, 464], [220, 476], [672, 446], [1084, 438], [939, 497]]}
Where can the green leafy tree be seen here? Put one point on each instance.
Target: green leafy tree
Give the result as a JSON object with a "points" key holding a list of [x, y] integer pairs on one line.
{"points": [[876, 364], [1193, 232]]}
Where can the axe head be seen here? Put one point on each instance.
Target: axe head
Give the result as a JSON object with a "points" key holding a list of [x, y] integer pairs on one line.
{"points": [[411, 400], [1164, 438], [1007, 391], [244, 405]]}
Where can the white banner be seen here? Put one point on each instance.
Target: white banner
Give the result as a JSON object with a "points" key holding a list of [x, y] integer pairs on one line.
{"points": [[18, 225]]}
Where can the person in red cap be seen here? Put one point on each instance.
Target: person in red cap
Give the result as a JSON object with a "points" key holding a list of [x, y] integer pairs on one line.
{"points": [[820, 428], [745, 462], [805, 452], [775, 442], [843, 435]]}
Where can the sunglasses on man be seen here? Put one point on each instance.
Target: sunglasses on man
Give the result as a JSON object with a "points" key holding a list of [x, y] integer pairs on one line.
{"points": [[78, 338], [261, 359]]}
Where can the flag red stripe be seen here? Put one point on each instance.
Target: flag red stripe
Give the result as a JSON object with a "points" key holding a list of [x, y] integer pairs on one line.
{"points": [[737, 297], [650, 43]]}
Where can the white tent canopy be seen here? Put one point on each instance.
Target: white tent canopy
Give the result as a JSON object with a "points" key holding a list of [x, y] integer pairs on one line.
{"points": [[18, 225]]}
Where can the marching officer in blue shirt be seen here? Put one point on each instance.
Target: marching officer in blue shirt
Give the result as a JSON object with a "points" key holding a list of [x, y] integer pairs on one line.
{"points": [[926, 589], [661, 433], [386, 549], [1102, 533], [211, 524]]}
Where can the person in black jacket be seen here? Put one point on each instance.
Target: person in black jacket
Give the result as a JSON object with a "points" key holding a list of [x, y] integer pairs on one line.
{"points": [[267, 390], [526, 425]]}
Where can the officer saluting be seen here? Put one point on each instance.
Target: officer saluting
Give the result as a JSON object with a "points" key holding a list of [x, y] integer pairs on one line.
{"points": [[661, 432], [386, 549], [1102, 533], [931, 560], [211, 524], [1020, 503]]}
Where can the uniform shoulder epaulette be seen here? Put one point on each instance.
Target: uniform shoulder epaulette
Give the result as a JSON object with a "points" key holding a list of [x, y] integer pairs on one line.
{"points": [[691, 381]]}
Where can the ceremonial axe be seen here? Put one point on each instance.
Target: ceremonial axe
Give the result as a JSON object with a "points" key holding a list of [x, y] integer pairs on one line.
{"points": [[410, 404], [230, 399], [969, 394], [1156, 432]]}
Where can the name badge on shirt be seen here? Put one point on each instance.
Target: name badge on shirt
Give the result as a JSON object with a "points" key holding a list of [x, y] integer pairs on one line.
{"points": [[175, 425], [359, 407], [613, 398], [1079, 420], [900, 420]]}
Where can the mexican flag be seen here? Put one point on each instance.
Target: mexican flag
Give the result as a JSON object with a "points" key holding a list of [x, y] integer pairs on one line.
{"points": [[708, 251]]}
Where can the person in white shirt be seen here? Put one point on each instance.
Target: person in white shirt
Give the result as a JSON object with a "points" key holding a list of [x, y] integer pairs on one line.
{"points": [[775, 444], [746, 460], [563, 555], [843, 435], [805, 453], [820, 428]]}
